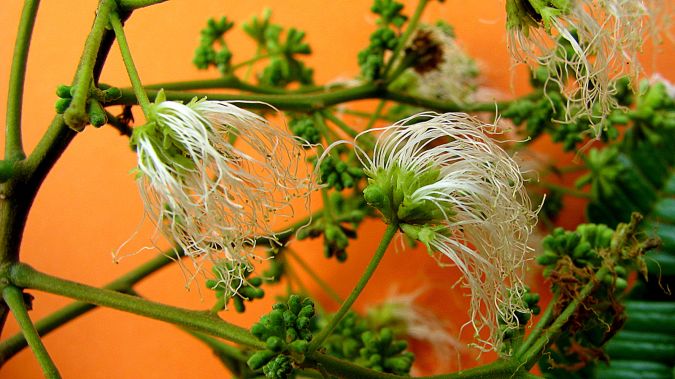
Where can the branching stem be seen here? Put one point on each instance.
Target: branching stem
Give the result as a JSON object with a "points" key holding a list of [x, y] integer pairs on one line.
{"points": [[136, 84], [15, 300], [13, 143]]}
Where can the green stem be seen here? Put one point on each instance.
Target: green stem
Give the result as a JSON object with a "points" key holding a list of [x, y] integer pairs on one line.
{"points": [[340, 124], [15, 343], [227, 82], [343, 369], [317, 101], [26, 277], [14, 299], [248, 62], [324, 286], [320, 124], [130, 5], [410, 28], [17, 76], [539, 327], [231, 82], [376, 115], [530, 357], [20, 191], [136, 84], [360, 285], [293, 101], [76, 114]]}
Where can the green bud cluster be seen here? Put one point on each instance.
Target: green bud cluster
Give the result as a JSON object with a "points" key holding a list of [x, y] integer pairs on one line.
{"points": [[572, 260], [247, 289], [97, 97], [382, 353], [304, 128], [390, 191], [206, 54], [385, 38], [355, 341], [284, 66], [336, 234], [604, 167], [653, 116], [537, 114], [286, 331], [582, 246], [338, 174]]}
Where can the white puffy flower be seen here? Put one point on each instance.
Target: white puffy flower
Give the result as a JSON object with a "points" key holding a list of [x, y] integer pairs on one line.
{"points": [[584, 44], [454, 77], [209, 195], [450, 186]]}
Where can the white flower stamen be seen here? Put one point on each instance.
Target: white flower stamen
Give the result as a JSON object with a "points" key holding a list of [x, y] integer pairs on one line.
{"points": [[450, 186], [211, 197]]}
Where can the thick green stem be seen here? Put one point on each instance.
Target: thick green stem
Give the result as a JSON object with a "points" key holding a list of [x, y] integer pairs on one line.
{"points": [[376, 115], [14, 299], [124, 283], [308, 269], [232, 82], [17, 195], [26, 277], [316, 101], [293, 101], [530, 357], [342, 369], [17, 76], [539, 327], [130, 5], [76, 114], [360, 285], [136, 84], [340, 124], [410, 28]]}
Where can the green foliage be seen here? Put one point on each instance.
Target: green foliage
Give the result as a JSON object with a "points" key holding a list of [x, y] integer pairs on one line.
{"points": [[284, 65], [354, 340], [384, 38], [390, 12], [338, 174], [286, 331], [212, 36], [336, 233], [571, 260], [304, 127], [238, 290]]}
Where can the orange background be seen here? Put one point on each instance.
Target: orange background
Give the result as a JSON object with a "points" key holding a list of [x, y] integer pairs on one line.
{"points": [[89, 204]]}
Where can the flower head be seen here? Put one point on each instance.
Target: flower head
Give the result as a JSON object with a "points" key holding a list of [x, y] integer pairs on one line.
{"points": [[450, 186], [585, 45], [450, 73], [211, 196]]}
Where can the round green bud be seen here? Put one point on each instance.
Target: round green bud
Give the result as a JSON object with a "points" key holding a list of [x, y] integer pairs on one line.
{"points": [[259, 359]]}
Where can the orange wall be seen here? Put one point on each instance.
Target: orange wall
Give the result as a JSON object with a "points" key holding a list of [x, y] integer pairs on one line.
{"points": [[89, 204]]}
